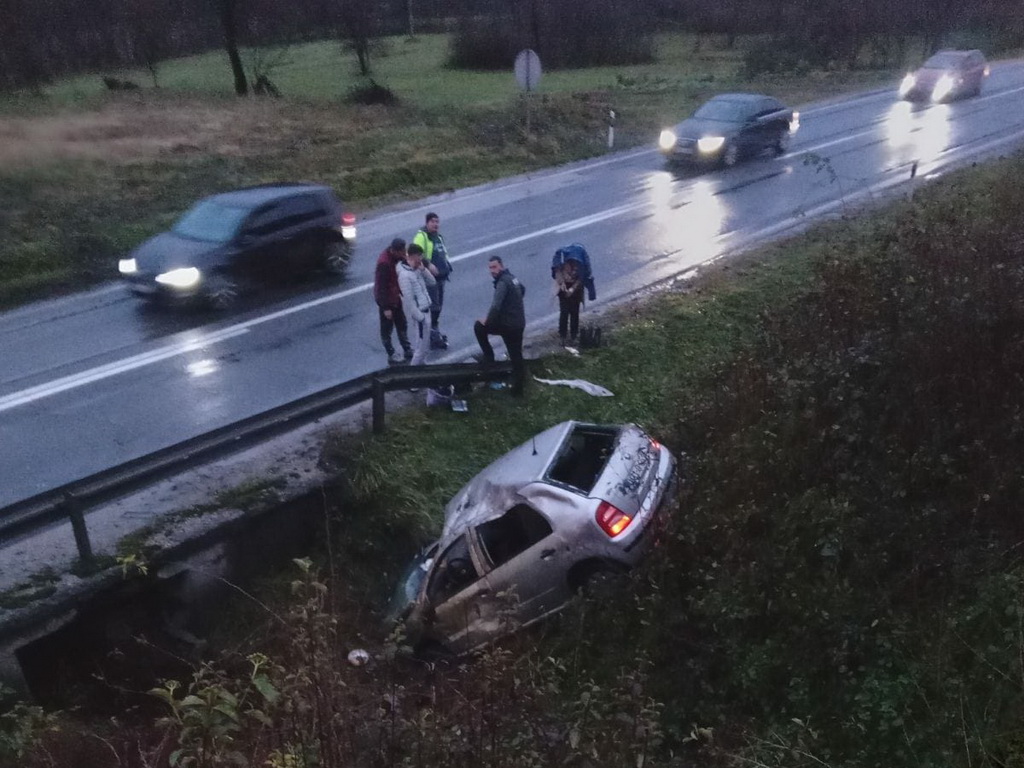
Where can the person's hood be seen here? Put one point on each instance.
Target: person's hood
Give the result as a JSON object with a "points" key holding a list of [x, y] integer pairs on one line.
{"points": [[697, 128], [168, 251]]}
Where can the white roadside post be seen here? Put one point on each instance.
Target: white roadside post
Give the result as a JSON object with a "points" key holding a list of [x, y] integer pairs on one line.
{"points": [[527, 71], [611, 128]]}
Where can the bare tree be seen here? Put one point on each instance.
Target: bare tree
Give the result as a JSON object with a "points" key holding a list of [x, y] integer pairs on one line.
{"points": [[229, 22]]}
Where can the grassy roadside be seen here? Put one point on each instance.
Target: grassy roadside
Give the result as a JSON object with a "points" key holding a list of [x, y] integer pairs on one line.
{"points": [[86, 174]]}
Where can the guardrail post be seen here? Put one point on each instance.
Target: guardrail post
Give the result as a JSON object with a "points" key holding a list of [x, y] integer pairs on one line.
{"points": [[378, 406], [73, 509]]}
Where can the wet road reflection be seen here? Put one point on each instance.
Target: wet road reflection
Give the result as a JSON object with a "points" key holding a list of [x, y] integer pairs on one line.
{"points": [[918, 135]]}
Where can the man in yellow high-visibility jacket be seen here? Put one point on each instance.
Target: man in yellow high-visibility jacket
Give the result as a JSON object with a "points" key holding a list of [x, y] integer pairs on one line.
{"points": [[436, 259]]}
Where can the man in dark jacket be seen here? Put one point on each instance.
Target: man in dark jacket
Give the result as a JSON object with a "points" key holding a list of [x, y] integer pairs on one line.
{"points": [[389, 301], [505, 318]]}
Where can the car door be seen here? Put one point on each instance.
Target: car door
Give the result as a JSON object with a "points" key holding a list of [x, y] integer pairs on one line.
{"points": [[299, 241], [768, 126], [528, 563], [254, 253], [463, 613]]}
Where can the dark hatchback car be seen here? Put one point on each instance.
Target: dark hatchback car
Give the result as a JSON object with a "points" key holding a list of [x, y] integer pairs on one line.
{"points": [[228, 243], [946, 76], [729, 128], [574, 504]]}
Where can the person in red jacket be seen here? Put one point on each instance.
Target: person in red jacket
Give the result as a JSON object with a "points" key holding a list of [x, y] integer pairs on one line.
{"points": [[389, 301]]}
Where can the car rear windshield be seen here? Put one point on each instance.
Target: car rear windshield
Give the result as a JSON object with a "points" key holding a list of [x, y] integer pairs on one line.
{"points": [[583, 457], [210, 221], [724, 110]]}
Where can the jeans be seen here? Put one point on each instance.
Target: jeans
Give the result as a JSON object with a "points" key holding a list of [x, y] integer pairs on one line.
{"points": [[438, 301], [569, 316], [397, 323], [513, 338]]}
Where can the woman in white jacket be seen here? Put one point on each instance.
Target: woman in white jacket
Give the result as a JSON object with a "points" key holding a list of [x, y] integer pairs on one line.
{"points": [[412, 277]]}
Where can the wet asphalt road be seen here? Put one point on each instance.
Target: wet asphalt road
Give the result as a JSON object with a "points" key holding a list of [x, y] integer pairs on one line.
{"points": [[93, 380]]}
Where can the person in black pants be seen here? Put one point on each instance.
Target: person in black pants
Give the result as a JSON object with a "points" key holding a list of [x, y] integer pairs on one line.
{"points": [[505, 318], [389, 301], [570, 298]]}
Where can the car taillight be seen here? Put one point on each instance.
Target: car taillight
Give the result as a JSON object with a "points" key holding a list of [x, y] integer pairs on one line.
{"points": [[348, 226], [612, 520]]}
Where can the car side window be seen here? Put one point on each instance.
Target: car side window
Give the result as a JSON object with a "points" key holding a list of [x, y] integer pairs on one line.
{"points": [[298, 210], [453, 573], [514, 532], [263, 222]]}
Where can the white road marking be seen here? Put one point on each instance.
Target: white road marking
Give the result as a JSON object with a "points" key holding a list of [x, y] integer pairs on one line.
{"points": [[73, 381]]}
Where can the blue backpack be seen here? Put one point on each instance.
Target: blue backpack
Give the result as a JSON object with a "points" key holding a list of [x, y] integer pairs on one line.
{"points": [[576, 252]]}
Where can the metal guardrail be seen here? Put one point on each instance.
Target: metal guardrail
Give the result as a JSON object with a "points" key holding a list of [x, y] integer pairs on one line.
{"points": [[70, 501]]}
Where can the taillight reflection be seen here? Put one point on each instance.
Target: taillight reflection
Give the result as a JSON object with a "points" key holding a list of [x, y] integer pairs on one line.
{"points": [[612, 520]]}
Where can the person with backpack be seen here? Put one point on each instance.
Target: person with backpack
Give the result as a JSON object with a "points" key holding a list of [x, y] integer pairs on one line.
{"points": [[435, 258], [569, 289], [572, 273], [506, 318]]}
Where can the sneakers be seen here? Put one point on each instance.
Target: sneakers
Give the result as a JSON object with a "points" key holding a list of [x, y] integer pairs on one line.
{"points": [[394, 359], [437, 339]]}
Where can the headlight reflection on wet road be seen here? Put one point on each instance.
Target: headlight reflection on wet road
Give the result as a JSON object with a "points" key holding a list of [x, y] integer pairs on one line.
{"points": [[692, 212], [915, 134]]}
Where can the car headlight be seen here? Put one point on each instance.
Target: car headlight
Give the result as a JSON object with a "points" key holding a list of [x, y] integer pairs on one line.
{"points": [[709, 144], [185, 277], [943, 87], [667, 140], [908, 82], [127, 266]]}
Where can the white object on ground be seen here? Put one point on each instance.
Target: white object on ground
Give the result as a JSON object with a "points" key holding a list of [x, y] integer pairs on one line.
{"points": [[591, 389], [358, 657]]}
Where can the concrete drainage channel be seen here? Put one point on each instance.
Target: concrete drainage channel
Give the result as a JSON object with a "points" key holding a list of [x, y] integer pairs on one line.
{"points": [[178, 586]]}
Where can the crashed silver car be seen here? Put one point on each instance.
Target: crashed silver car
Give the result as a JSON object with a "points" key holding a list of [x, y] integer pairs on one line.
{"points": [[575, 502]]}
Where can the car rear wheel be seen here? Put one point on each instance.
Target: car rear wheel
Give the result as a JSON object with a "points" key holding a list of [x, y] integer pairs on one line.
{"points": [[221, 293], [731, 155], [336, 257]]}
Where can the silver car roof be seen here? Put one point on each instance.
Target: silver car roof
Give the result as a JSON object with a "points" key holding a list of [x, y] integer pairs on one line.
{"points": [[495, 489]]}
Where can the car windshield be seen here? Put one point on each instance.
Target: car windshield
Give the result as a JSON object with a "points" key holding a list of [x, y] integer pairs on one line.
{"points": [[724, 110], [411, 583], [944, 61], [210, 221]]}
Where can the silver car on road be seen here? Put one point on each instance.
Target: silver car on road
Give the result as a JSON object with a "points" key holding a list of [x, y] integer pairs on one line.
{"points": [[574, 502]]}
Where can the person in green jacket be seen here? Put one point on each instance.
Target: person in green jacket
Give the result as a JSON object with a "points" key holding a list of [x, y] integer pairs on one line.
{"points": [[437, 261]]}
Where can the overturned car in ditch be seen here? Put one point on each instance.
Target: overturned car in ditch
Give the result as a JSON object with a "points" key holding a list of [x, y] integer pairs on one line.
{"points": [[574, 503]]}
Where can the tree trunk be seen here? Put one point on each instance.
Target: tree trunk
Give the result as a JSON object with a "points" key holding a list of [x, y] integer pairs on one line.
{"points": [[228, 21]]}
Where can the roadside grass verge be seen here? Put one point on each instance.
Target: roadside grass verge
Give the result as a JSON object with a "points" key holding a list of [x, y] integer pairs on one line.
{"points": [[85, 174], [843, 585]]}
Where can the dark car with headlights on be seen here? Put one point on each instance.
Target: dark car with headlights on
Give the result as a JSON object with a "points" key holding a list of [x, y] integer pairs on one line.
{"points": [[946, 76], [729, 128], [573, 504], [233, 241]]}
